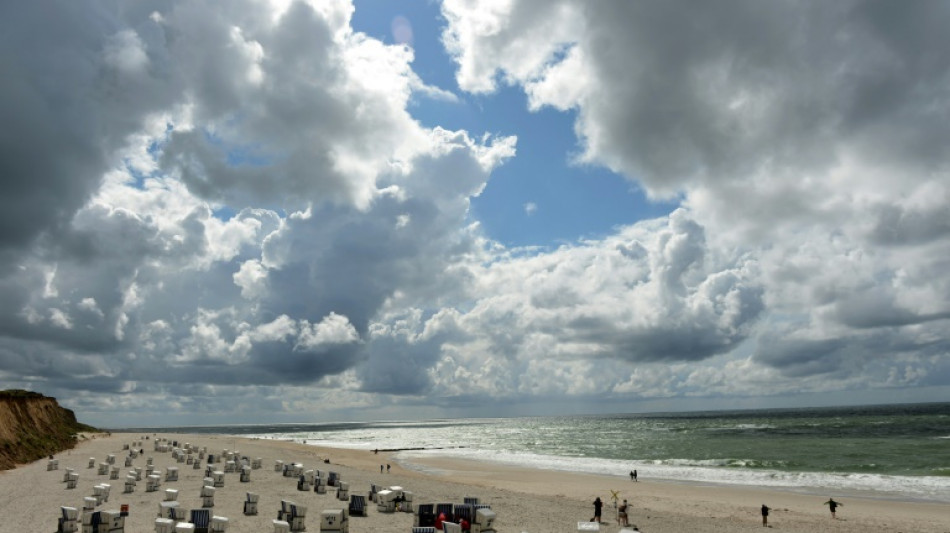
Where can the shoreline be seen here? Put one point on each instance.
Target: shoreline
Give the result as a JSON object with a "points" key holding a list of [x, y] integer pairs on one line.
{"points": [[423, 465], [524, 499]]}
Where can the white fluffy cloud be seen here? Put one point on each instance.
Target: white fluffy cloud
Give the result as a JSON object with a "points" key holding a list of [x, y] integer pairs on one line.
{"points": [[810, 149], [231, 206]]}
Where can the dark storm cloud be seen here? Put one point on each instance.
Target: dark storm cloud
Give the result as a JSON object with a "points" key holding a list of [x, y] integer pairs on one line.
{"points": [[64, 109]]}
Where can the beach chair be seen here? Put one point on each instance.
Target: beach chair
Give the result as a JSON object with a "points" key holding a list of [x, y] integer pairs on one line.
{"points": [[425, 515], [164, 525], [464, 511], [445, 509], [69, 522], [426, 529], [201, 518], [284, 512], [484, 521], [471, 500], [298, 514], [333, 520], [357, 505], [219, 524], [406, 504], [250, 504], [96, 520], [451, 527], [332, 478], [179, 514], [342, 491], [165, 509]]}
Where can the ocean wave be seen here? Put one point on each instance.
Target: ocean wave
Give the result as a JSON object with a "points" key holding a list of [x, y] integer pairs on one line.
{"points": [[741, 427]]}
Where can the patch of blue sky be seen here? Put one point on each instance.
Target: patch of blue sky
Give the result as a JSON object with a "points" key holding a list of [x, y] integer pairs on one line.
{"points": [[138, 177], [223, 212], [540, 197], [237, 154]]}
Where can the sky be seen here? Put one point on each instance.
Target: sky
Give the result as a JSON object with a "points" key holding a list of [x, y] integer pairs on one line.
{"points": [[265, 211]]}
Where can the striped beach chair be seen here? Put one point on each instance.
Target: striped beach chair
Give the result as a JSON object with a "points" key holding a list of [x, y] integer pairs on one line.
{"points": [[357, 505], [201, 518], [425, 515], [420, 529], [464, 511], [445, 509]]}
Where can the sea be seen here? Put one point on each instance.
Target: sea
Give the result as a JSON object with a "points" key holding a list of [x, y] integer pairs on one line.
{"points": [[888, 451]]}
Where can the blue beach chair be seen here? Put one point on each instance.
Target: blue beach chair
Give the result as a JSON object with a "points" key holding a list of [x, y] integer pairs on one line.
{"points": [[464, 511], [425, 515], [357, 505], [201, 518], [446, 509]]}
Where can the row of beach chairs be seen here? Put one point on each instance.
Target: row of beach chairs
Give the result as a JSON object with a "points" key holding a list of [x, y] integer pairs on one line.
{"points": [[174, 519], [480, 517], [199, 521]]}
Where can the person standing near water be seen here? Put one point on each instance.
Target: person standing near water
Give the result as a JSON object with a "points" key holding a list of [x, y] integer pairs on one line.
{"points": [[633, 475], [832, 505], [765, 515]]}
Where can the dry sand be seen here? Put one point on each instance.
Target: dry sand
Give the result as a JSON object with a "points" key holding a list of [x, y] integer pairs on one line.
{"points": [[534, 501]]}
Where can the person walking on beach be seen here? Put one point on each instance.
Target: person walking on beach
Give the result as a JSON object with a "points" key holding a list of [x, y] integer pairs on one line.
{"points": [[633, 475], [622, 514], [765, 515], [598, 506], [832, 505]]}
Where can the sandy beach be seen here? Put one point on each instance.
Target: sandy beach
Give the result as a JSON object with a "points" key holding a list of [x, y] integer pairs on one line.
{"points": [[524, 500]]}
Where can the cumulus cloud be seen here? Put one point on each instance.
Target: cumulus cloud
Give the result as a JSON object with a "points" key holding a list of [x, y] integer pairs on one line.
{"points": [[230, 208], [801, 135], [243, 194]]}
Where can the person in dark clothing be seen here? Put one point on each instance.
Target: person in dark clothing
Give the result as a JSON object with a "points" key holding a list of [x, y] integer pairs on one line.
{"points": [[598, 506], [633, 475], [833, 506], [765, 515]]}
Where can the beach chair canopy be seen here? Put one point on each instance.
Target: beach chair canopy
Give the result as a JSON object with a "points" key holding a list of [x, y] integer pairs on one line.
{"points": [[357, 505]]}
